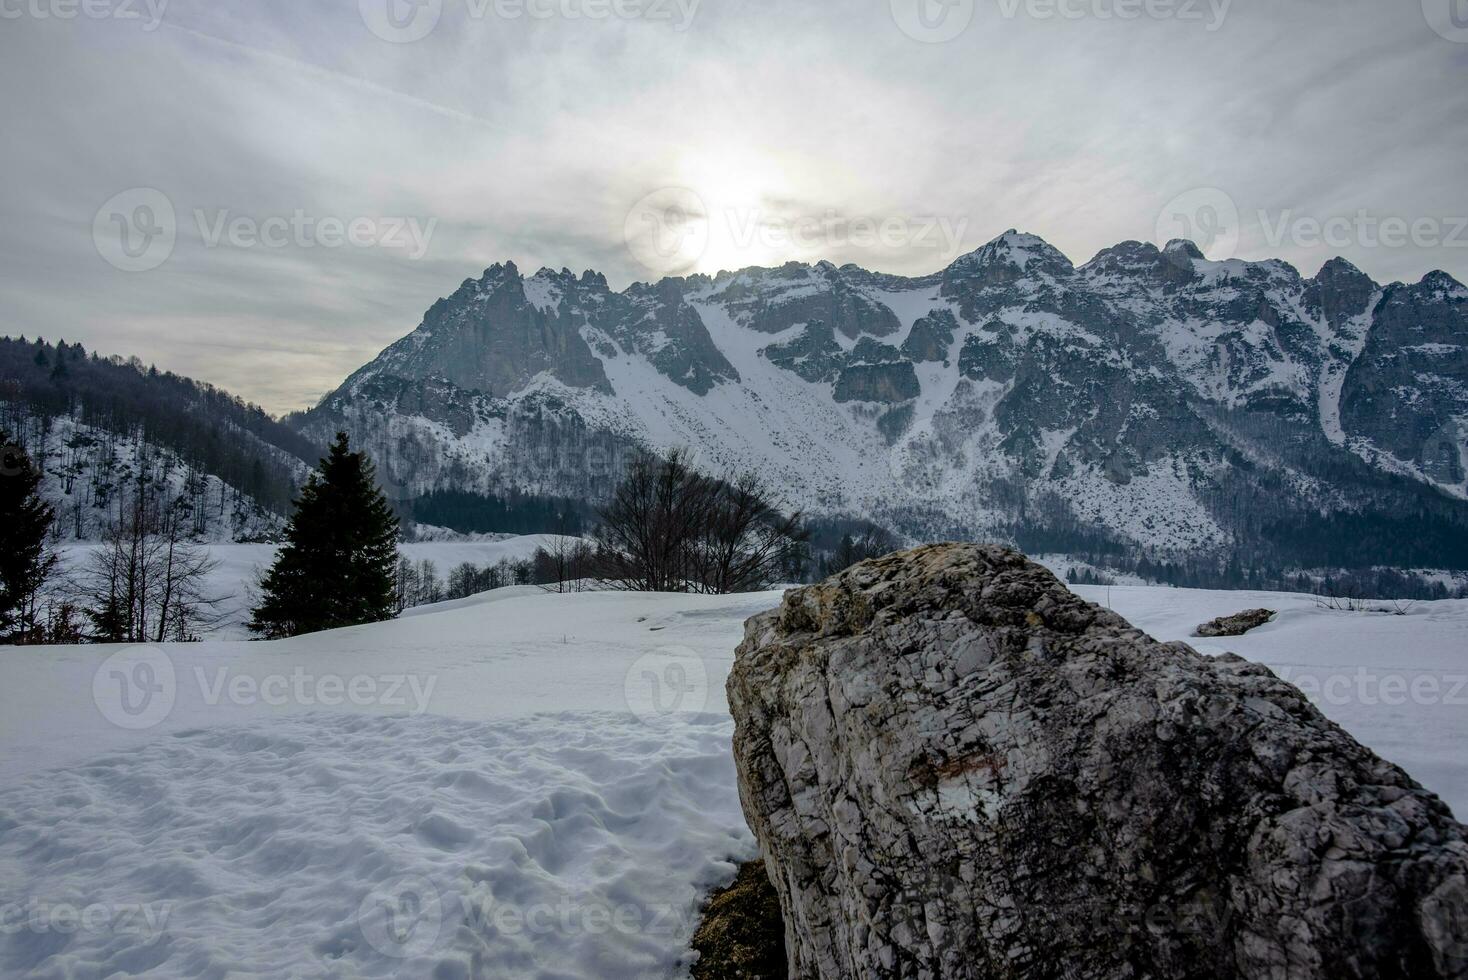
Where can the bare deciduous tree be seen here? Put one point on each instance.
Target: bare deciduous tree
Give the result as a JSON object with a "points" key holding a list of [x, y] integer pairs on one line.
{"points": [[746, 540], [148, 581], [671, 529]]}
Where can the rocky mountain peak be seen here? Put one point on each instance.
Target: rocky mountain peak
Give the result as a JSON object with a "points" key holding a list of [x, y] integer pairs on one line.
{"points": [[502, 271], [1010, 256], [1129, 255], [1443, 285], [1182, 247], [1343, 292], [1010, 376], [1339, 268]]}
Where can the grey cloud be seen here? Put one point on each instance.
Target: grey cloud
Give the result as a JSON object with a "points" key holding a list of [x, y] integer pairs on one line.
{"points": [[531, 140]]}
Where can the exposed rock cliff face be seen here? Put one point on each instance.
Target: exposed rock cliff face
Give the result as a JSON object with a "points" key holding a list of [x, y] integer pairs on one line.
{"points": [[957, 768], [1417, 346], [1156, 399]]}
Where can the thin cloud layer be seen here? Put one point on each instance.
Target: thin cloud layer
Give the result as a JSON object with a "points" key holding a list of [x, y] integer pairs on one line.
{"points": [[298, 151]]}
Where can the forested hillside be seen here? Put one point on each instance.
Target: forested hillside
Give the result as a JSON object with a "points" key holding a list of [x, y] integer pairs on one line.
{"points": [[101, 428]]}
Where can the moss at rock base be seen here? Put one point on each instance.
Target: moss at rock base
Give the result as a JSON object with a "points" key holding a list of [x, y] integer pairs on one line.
{"points": [[742, 936]]}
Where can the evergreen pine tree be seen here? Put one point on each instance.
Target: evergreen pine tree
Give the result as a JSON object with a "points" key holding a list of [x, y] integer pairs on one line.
{"points": [[337, 566], [25, 561], [109, 621]]}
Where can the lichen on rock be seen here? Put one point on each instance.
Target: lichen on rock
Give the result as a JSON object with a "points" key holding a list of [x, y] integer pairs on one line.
{"points": [[956, 768]]}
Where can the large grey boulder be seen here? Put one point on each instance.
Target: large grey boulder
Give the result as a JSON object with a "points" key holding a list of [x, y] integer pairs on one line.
{"points": [[957, 768]]}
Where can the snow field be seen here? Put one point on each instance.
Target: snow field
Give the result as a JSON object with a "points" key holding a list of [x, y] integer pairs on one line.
{"points": [[354, 846], [513, 785]]}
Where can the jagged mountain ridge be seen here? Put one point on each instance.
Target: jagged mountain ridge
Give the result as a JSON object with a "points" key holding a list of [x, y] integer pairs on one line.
{"points": [[1170, 401]]}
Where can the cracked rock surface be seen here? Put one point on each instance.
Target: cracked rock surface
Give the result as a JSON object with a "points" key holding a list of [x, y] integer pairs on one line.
{"points": [[957, 768]]}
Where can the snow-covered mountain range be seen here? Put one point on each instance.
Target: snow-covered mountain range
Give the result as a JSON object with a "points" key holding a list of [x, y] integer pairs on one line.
{"points": [[1164, 400]]}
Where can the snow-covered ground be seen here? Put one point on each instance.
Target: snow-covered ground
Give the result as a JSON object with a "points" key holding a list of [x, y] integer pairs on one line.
{"points": [[515, 785]]}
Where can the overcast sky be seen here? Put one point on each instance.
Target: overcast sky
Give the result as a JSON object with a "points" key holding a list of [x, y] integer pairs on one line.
{"points": [[329, 176]]}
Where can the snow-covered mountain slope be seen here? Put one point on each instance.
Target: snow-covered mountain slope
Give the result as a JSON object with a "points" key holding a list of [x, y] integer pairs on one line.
{"points": [[1171, 402], [522, 785], [91, 475], [105, 432]]}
